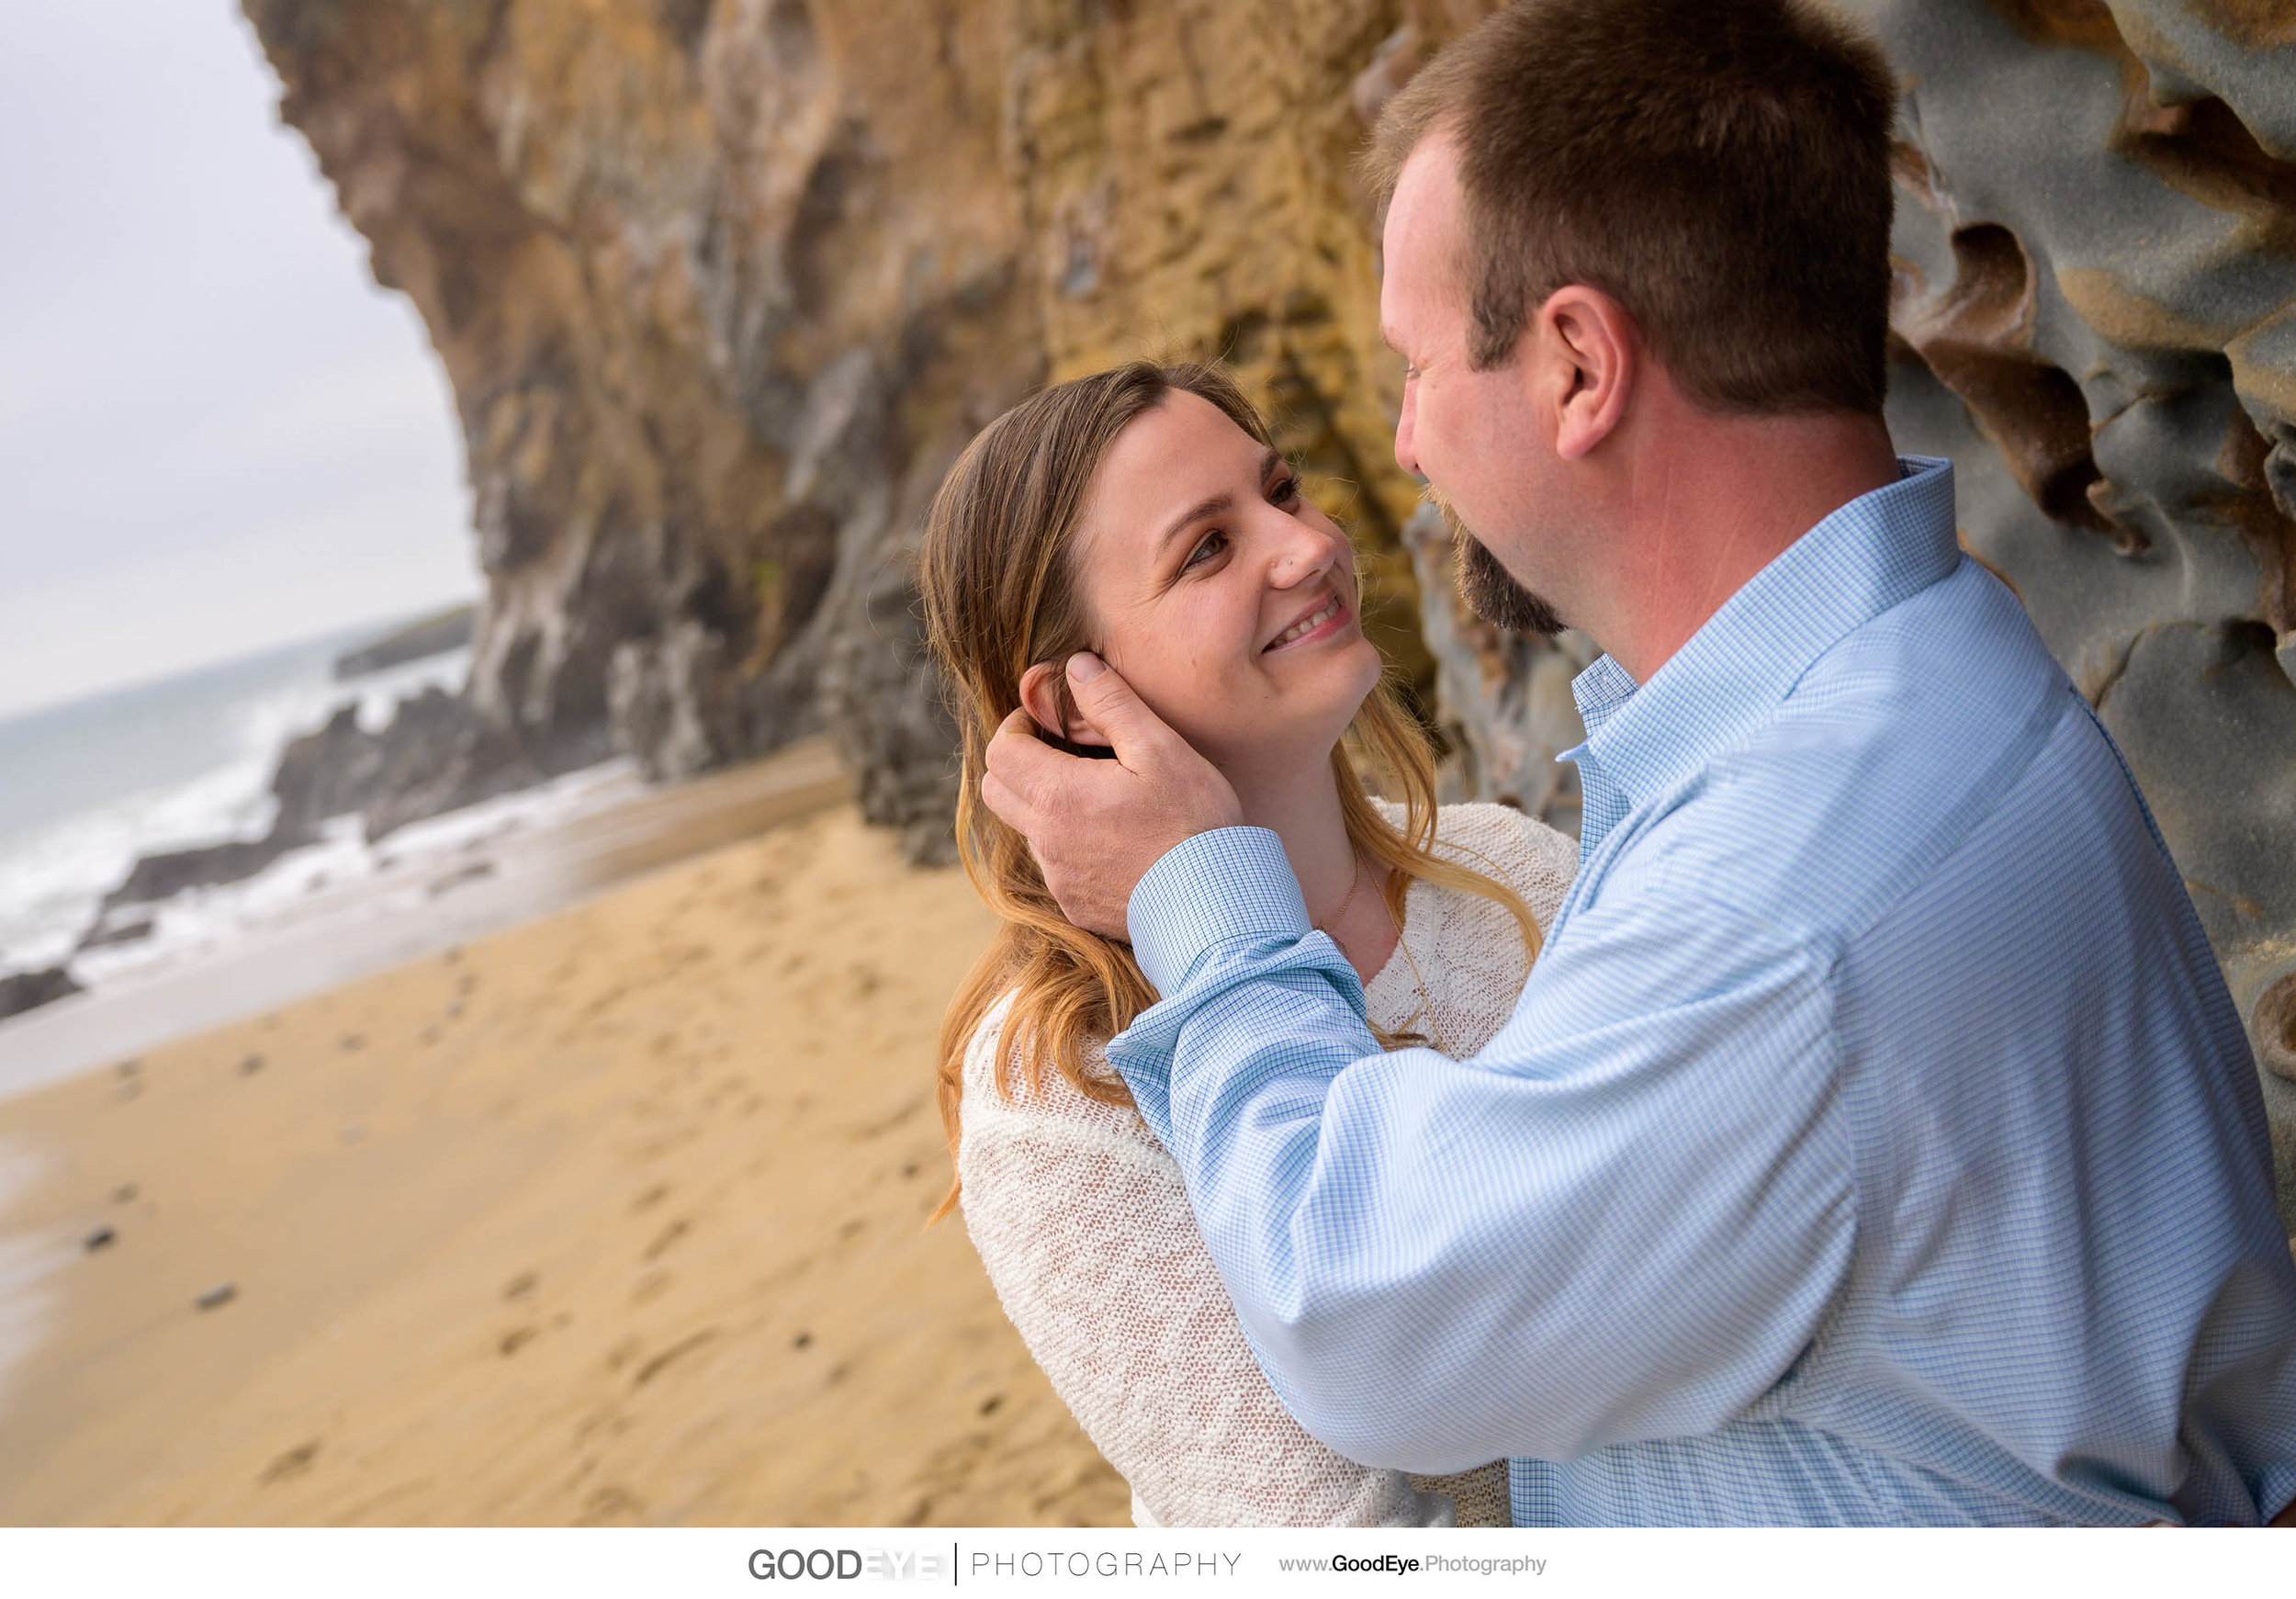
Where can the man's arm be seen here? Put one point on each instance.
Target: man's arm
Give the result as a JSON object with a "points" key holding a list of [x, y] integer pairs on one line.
{"points": [[1624, 1219]]}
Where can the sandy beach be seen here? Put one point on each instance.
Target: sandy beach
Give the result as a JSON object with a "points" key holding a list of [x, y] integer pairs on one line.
{"points": [[616, 1216]]}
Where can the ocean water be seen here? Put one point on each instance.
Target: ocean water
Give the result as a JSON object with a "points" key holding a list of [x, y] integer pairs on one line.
{"points": [[87, 787]]}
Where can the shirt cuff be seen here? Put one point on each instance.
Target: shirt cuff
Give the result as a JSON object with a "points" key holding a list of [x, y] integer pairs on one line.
{"points": [[1228, 884]]}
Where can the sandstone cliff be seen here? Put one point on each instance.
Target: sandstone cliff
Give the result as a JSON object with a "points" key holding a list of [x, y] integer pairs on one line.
{"points": [[722, 285]]}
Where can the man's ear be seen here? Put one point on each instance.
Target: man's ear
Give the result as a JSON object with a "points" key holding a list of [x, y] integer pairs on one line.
{"points": [[1588, 348], [1044, 695]]}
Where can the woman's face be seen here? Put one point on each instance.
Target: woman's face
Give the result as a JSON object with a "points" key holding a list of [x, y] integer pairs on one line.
{"points": [[1224, 597]]}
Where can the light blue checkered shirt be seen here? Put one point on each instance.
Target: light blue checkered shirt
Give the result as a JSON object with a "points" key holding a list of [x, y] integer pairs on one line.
{"points": [[1874, 1140]]}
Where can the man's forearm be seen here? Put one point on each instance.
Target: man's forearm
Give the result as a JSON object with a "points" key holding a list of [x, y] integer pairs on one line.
{"points": [[1439, 1261]]}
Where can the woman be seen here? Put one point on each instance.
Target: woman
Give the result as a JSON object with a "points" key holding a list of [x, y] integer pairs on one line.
{"points": [[1143, 515]]}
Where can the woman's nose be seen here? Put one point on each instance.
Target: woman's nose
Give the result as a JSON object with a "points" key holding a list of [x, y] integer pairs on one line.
{"points": [[1302, 555]]}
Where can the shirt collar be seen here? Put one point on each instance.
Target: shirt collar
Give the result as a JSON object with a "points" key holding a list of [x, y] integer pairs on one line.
{"points": [[1879, 549]]}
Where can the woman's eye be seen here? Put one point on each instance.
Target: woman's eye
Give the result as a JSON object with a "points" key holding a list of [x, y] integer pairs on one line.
{"points": [[1214, 543], [1285, 491]]}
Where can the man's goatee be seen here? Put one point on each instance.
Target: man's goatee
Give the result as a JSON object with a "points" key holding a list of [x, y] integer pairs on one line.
{"points": [[1490, 589]]}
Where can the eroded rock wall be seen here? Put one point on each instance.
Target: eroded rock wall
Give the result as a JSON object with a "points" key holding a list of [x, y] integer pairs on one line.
{"points": [[722, 287], [2097, 304]]}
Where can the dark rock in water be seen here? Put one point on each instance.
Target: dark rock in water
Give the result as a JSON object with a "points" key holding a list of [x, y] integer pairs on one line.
{"points": [[327, 773], [162, 876], [322, 774], [123, 927], [477, 871], [439, 754], [222, 1293], [22, 991], [432, 635]]}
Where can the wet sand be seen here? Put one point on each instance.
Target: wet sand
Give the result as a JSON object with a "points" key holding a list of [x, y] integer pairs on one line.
{"points": [[613, 1217]]}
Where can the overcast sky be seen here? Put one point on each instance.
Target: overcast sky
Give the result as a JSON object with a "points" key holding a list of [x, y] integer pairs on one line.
{"points": [[216, 434]]}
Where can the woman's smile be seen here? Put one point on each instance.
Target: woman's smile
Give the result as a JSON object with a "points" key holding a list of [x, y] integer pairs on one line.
{"points": [[1327, 617]]}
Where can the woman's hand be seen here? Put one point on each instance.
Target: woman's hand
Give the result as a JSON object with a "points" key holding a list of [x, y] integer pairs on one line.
{"points": [[1098, 825]]}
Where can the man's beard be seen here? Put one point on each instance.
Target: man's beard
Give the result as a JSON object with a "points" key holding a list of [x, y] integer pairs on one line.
{"points": [[1490, 589]]}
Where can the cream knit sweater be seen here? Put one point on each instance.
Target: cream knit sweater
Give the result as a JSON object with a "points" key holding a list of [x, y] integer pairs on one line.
{"points": [[1083, 1221]]}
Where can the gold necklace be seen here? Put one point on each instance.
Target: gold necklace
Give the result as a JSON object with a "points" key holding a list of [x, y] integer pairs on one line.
{"points": [[1426, 1000], [1325, 926]]}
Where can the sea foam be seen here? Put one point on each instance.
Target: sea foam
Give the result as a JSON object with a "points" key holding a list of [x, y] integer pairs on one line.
{"points": [[165, 766]]}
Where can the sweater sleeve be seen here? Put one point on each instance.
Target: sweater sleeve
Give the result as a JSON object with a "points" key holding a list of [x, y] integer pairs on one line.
{"points": [[1084, 1227]]}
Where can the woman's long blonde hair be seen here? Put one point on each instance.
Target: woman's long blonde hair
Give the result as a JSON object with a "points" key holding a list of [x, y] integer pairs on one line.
{"points": [[1000, 597]]}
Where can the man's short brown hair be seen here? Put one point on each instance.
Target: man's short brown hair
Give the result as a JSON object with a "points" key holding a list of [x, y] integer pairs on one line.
{"points": [[1720, 167]]}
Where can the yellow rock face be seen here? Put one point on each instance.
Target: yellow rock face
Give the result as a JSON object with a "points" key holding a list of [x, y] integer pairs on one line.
{"points": [[722, 287]]}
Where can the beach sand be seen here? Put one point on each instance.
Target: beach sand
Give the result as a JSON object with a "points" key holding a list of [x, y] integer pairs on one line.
{"points": [[614, 1217]]}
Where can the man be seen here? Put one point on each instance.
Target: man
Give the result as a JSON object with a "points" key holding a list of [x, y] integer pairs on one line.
{"points": [[1874, 1140]]}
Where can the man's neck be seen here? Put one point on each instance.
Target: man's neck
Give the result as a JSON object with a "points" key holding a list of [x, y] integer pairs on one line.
{"points": [[1719, 501]]}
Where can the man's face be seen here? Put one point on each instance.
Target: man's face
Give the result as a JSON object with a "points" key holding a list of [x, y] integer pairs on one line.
{"points": [[1474, 435]]}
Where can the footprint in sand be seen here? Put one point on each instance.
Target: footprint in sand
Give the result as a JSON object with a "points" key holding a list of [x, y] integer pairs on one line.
{"points": [[294, 1463], [683, 1346], [611, 1502]]}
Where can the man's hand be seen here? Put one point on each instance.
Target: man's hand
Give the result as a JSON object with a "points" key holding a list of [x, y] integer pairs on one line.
{"points": [[1098, 825]]}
